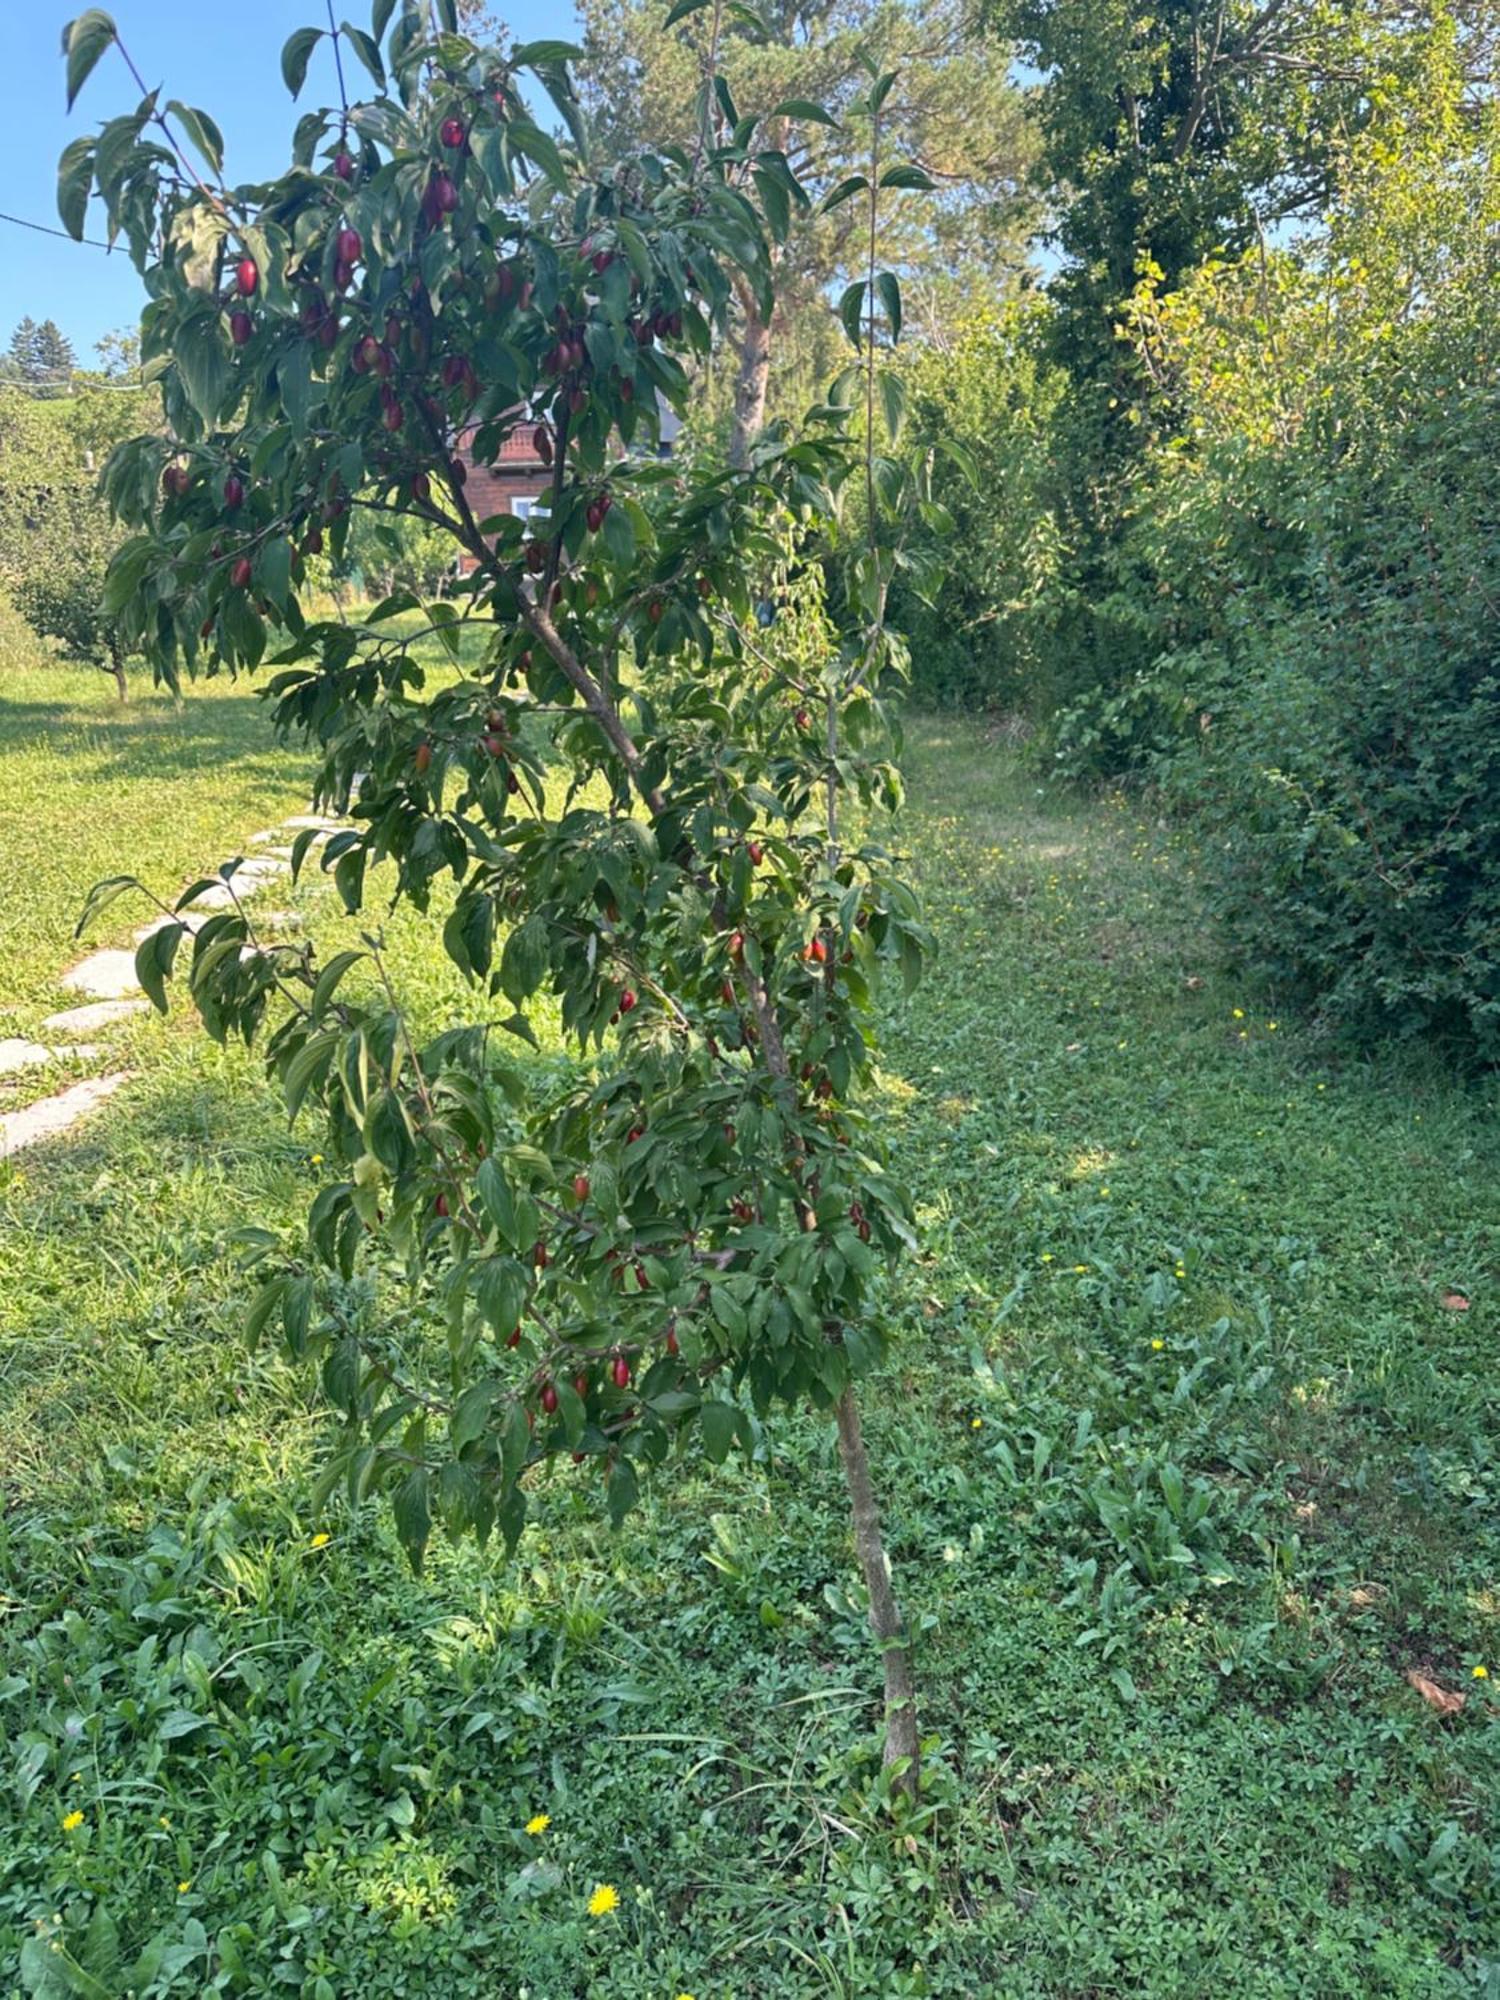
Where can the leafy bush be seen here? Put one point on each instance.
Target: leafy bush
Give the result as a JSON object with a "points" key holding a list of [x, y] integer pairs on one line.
{"points": [[982, 643]]}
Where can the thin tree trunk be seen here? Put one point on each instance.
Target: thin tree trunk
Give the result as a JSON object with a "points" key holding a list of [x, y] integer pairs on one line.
{"points": [[117, 668], [901, 1740], [751, 379]]}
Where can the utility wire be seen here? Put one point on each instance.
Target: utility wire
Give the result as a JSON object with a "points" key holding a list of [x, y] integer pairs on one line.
{"points": [[42, 229]]}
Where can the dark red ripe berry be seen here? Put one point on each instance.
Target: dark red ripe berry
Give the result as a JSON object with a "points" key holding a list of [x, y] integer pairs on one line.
{"points": [[825, 1090], [541, 443], [627, 1001], [802, 718], [635, 1132], [366, 353], [817, 952], [458, 472], [240, 572], [581, 1186], [452, 133], [247, 276], [440, 1206], [312, 542], [536, 557], [578, 401], [656, 611], [421, 487], [515, 1339], [452, 371], [539, 1256], [757, 853], [594, 515], [705, 587], [495, 745], [549, 1399], [350, 246], [672, 1345], [343, 166], [864, 1232], [621, 1372], [343, 275], [234, 491], [444, 194], [423, 758], [241, 326], [391, 416], [737, 944], [176, 480], [644, 334], [581, 1385], [726, 994]]}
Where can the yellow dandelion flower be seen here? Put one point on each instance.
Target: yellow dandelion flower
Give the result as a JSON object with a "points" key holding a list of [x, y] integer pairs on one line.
{"points": [[606, 1897], [1271, 1027], [164, 1819], [538, 1823], [976, 1423], [320, 1541], [1079, 1269], [1481, 1673], [1046, 1256], [1157, 1346], [72, 1821], [183, 1887], [316, 1160]]}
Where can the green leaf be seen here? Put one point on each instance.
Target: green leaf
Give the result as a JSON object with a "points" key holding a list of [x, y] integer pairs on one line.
{"points": [[682, 10], [805, 109], [102, 895], [494, 1193], [907, 177], [719, 1421], [202, 131], [367, 50], [892, 401], [203, 362], [153, 962], [537, 147], [851, 306], [413, 1515], [845, 191], [775, 202], [295, 54], [75, 180], [889, 294], [84, 41], [622, 1492], [329, 978]]}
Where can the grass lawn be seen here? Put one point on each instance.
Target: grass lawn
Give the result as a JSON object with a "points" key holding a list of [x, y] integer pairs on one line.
{"points": [[1186, 1463]]}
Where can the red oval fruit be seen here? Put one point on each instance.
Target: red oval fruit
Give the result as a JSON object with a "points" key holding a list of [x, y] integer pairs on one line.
{"points": [[391, 415], [539, 1255], [672, 1343], [656, 611], [757, 853], [737, 944], [541, 443], [440, 1206], [581, 1186], [816, 952], [635, 1132], [234, 491], [421, 487], [580, 1385], [343, 166], [536, 557], [246, 276], [621, 1372], [240, 572], [443, 193], [423, 758], [452, 133], [343, 275], [594, 516], [515, 1339], [241, 327], [802, 718], [367, 352], [549, 1399], [350, 245], [627, 1001], [312, 542], [176, 480]]}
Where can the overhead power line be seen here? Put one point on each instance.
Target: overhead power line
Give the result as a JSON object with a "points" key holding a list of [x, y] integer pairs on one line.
{"points": [[42, 229]]}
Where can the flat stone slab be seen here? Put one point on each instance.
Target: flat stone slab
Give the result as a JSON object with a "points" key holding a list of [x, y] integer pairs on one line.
{"points": [[104, 975], [55, 1115], [17, 1053], [86, 1020], [319, 822]]}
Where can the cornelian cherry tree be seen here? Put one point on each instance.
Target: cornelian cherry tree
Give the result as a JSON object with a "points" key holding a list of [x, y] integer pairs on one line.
{"points": [[635, 785]]}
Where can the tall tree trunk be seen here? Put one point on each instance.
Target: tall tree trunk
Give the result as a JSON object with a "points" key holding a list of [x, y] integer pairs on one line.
{"points": [[901, 1740], [117, 668], [751, 378]]}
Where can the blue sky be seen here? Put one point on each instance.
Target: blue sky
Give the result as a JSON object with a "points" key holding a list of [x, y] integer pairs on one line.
{"points": [[223, 55]]}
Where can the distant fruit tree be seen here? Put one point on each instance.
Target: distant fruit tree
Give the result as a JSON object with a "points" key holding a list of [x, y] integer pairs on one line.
{"points": [[646, 773]]}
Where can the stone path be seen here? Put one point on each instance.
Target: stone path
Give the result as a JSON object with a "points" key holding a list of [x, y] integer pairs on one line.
{"points": [[111, 994]]}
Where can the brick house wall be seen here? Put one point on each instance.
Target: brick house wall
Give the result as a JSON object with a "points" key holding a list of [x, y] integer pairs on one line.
{"points": [[517, 475]]}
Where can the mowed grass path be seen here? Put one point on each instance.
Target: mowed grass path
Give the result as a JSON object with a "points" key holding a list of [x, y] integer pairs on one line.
{"points": [[1186, 1463]]}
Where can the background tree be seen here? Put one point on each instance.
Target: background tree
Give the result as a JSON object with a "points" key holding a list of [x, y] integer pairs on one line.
{"points": [[649, 806], [42, 354], [953, 109]]}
